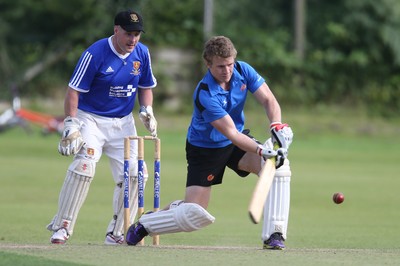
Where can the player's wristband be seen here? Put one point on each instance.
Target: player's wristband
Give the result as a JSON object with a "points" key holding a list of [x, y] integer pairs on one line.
{"points": [[259, 151], [274, 124]]}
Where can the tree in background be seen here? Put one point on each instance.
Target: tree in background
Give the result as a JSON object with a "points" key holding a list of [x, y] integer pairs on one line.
{"points": [[353, 53], [40, 42], [351, 50]]}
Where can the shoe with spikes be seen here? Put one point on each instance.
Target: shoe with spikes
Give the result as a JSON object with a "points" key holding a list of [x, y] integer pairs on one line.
{"points": [[274, 242], [60, 236]]}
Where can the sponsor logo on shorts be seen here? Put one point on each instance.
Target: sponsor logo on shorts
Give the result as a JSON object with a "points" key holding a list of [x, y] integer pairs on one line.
{"points": [[210, 177]]}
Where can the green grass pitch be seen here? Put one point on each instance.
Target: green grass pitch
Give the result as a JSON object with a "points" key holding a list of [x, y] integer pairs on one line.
{"points": [[363, 230]]}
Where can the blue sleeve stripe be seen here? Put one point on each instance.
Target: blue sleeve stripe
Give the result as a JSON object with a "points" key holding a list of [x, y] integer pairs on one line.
{"points": [[76, 79]]}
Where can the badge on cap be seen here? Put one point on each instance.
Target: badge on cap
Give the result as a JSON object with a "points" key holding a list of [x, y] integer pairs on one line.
{"points": [[134, 18]]}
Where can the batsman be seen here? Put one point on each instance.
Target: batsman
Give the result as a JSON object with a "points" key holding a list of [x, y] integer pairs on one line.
{"points": [[98, 108], [216, 139]]}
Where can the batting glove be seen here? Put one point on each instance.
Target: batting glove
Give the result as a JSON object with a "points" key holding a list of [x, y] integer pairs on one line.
{"points": [[266, 152], [149, 121], [280, 154], [71, 141], [282, 134], [280, 157]]}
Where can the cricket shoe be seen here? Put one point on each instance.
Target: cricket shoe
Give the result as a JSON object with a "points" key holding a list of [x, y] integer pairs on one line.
{"points": [[60, 236], [135, 234], [113, 240], [275, 241]]}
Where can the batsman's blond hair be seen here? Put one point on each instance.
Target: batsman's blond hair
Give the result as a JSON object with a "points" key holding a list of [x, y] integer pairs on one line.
{"points": [[218, 46]]}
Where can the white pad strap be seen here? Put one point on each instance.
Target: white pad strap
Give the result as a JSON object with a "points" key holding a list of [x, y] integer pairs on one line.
{"points": [[186, 217], [73, 194], [276, 208]]}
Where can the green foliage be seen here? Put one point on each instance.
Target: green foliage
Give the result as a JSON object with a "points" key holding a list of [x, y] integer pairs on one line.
{"points": [[352, 49], [31, 33], [177, 23], [357, 56]]}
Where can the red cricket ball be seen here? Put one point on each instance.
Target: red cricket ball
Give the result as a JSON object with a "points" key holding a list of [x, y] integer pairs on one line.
{"points": [[338, 197]]}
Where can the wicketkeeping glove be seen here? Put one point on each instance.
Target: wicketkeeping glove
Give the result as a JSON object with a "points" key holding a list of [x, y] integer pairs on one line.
{"points": [[149, 121], [71, 140]]}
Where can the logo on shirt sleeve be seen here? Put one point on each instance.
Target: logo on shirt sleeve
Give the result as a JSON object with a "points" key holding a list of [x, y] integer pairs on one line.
{"points": [[136, 66]]}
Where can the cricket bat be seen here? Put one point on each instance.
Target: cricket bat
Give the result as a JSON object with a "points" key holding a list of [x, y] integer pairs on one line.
{"points": [[261, 190]]}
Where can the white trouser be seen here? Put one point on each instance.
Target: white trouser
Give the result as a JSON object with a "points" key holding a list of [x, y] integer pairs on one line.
{"points": [[101, 135]]}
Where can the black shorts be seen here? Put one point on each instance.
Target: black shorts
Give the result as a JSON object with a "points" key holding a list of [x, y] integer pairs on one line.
{"points": [[206, 166]]}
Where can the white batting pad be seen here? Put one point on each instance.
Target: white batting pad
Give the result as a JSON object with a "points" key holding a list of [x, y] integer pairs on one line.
{"points": [[73, 194], [276, 208], [186, 217]]}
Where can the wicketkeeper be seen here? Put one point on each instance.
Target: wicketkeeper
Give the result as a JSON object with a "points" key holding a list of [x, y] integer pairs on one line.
{"points": [[98, 109]]}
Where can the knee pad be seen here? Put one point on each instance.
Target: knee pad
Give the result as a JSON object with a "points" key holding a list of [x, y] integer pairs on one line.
{"points": [[83, 167], [175, 204]]}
